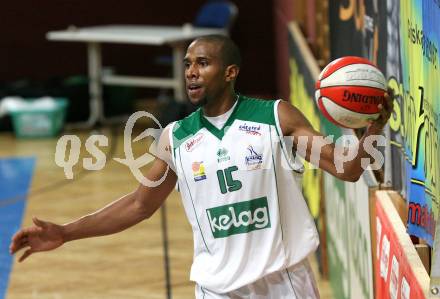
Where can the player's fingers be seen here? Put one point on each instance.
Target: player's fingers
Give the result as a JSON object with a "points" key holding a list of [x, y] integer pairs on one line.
{"points": [[21, 235], [384, 115], [388, 102], [389, 98], [380, 108], [17, 242], [38, 222], [384, 111], [25, 232], [13, 248], [385, 101], [390, 91], [25, 255], [387, 106], [24, 241], [18, 235], [17, 247]]}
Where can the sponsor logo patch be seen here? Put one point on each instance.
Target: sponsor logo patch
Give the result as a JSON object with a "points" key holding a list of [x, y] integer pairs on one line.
{"points": [[239, 218], [193, 142], [198, 170], [253, 160], [250, 130], [222, 155]]}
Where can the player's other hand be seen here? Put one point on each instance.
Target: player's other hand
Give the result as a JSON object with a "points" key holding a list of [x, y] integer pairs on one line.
{"points": [[43, 236], [385, 111]]}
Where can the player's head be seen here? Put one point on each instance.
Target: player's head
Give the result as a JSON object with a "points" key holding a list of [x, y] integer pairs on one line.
{"points": [[212, 64]]}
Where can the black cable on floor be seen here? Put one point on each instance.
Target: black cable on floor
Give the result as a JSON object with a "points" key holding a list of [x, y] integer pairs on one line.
{"points": [[163, 213]]}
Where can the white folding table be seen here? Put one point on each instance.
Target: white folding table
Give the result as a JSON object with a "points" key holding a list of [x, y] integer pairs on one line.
{"points": [[174, 36]]}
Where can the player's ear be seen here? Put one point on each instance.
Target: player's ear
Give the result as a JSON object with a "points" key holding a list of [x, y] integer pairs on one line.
{"points": [[231, 72]]}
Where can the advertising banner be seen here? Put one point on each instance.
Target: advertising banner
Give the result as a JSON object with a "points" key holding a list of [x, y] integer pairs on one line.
{"points": [[349, 238], [303, 75], [415, 119], [358, 28], [399, 271], [395, 174]]}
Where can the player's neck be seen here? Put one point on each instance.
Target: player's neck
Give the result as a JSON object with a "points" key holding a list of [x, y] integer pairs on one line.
{"points": [[220, 105]]}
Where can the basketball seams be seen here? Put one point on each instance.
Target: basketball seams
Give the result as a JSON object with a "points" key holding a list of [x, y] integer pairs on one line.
{"points": [[330, 70], [340, 75], [365, 113], [378, 82], [355, 85], [326, 101], [334, 70], [327, 115], [371, 80]]}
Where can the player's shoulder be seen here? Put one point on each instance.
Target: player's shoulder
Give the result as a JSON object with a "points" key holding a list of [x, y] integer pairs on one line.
{"points": [[256, 109], [291, 118], [189, 119], [256, 101], [187, 126], [285, 108], [285, 105]]}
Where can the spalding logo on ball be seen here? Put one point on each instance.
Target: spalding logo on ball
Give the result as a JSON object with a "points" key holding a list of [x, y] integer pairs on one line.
{"points": [[348, 91]]}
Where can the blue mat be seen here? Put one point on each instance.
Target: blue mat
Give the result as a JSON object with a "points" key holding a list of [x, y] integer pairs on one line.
{"points": [[15, 180]]}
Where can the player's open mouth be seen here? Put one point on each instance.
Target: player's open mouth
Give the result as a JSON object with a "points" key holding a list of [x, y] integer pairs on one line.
{"points": [[193, 86], [194, 89]]}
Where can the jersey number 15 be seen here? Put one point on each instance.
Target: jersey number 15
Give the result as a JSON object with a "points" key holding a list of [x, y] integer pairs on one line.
{"points": [[225, 180]]}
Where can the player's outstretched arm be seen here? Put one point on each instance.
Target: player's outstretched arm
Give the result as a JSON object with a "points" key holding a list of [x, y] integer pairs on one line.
{"points": [[313, 146], [115, 217]]}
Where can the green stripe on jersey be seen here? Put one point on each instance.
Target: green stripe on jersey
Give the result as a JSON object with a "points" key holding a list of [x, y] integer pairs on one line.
{"points": [[186, 128], [256, 110], [248, 109]]}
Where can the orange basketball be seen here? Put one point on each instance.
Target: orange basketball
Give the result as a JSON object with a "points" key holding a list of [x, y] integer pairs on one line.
{"points": [[349, 90]]}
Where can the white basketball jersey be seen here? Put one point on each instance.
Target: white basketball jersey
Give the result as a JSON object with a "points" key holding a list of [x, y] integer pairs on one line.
{"points": [[242, 196]]}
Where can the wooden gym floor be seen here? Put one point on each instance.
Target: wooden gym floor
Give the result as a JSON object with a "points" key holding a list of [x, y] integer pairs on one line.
{"points": [[127, 265]]}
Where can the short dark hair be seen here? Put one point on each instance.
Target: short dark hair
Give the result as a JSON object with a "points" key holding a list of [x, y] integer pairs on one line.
{"points": [[229, 50]]}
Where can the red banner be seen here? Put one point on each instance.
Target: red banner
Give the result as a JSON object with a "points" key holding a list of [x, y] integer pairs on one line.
{"points": [[394, 273]]}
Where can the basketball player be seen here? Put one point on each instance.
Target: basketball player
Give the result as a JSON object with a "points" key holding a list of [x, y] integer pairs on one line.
{"points": [[239, 185]]}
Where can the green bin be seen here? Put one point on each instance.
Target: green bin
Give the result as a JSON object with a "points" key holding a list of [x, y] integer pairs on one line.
{"points": [[34, 122]]}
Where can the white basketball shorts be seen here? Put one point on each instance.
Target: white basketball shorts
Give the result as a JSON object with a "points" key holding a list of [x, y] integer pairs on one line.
{"points": [[295, 282]]}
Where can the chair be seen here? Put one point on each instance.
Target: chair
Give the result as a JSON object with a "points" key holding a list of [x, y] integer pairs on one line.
{"points": [[216, 14], [213, 14]]}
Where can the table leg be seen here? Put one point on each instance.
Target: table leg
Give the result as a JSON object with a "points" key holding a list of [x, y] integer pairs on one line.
{"points": [[178, 72], [95, 84], [95, 88]]}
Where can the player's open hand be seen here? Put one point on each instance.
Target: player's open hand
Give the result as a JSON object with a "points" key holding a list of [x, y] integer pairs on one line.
{"points": [[43, 236], [385, 111]]}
